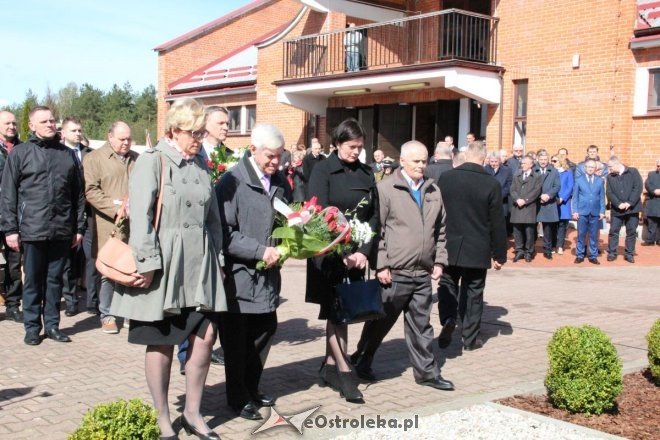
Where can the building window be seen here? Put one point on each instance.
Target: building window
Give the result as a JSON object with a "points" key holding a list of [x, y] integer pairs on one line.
{"points": [[654, 90], [520, 112], [242, 118]]}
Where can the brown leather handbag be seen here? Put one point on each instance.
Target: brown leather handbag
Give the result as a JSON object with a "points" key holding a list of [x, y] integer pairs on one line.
{"points": [[115, 259]]}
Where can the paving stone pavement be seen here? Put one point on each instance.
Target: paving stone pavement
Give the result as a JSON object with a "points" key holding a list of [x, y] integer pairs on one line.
{"points": [[45, 390]]}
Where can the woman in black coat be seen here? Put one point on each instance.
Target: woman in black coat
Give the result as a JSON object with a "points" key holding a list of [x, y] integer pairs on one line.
{"points": [[341, 181]]}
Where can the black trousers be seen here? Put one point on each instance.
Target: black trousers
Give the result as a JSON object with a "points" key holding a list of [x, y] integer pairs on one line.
{"points": [[12, 283], [549, 236], [631, 221], [43, 264], [246, 340], [414, 297], [524, 236], [653, 229], [461, 294]]}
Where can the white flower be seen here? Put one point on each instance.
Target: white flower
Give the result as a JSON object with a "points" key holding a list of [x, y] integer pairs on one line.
{"points": [[361, 232]]}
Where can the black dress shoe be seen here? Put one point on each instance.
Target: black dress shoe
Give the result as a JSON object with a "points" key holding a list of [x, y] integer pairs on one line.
{"points": [[528, 258], [518, 257], [438, 383], [611, 257], [348, 387], [56, 335], [264, 400], [32, 338], [14, 314], [444, 338], [250, 412], [71, 311], [578, 260], [328, 376], [362, 366], [547, 255], [190, 430], [629, 258], [594, 261], [217, 359], [647, 243], [475, 345]]}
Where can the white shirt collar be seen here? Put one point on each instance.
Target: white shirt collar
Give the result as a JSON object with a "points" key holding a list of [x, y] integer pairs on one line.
{"points": [[260, 174], [410, 182]]}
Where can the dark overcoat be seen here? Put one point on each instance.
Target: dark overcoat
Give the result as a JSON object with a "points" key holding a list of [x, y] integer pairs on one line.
{"points": [[625, 187], [475, 227], [652, 201], [247, 221], [551, 184], [504, 176], [435, 169], [336, 183], [529, 191]]}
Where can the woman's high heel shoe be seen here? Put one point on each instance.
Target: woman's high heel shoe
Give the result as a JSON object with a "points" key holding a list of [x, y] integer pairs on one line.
{"points": [[328, 376], [191, 430], [347, 384]]}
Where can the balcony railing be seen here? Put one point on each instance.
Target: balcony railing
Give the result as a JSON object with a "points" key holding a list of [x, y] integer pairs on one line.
{"points": [[451, 34]]}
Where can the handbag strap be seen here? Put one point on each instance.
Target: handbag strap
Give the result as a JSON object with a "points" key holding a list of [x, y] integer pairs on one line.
{"points": [[159, 201]]}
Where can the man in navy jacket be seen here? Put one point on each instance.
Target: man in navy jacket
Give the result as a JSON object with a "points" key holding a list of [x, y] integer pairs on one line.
{"points": [[588, 205]]}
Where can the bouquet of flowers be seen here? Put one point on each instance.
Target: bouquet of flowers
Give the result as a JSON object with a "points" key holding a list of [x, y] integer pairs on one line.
{"points": [[311, 231], [221, 160]]}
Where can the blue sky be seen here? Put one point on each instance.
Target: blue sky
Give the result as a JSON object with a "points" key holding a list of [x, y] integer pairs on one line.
{"points": [[53, 43]]}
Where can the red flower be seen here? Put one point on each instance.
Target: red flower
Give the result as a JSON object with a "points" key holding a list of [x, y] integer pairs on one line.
{"points": [[347, 239], [331, 214], [332, 226], [221, 168], [209, 163]]}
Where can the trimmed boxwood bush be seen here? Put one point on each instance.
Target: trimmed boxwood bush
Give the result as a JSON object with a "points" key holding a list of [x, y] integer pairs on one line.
{"points": [[120, 420], [653, 339], [584, 374]]}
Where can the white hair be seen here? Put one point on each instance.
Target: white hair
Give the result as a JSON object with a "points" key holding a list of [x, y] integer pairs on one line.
{"points": [[444, 149], [410, 146], [266, 136]]}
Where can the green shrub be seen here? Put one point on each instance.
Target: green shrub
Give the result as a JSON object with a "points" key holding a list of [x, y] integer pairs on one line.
{"points": [[120, 420], [585, 374], [653, 339]]}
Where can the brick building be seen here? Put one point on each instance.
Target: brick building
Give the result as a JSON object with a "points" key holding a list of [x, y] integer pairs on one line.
{"points": [[546, 74]]}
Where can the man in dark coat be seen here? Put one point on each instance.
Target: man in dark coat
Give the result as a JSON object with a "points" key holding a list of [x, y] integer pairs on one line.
{"points": [[548, 214], [513, 163], [80, 259], [624, 191], [443, 161], [246, 195], [504, 177], [12, 285], [652, 186], [42, 201], [311, 159], [525, 192], [476, 234]]}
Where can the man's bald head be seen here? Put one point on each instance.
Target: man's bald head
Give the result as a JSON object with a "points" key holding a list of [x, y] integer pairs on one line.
{"points": [[120, 138]]}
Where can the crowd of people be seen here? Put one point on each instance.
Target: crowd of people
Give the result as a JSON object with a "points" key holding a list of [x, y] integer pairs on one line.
{"points": [[196, 244]]}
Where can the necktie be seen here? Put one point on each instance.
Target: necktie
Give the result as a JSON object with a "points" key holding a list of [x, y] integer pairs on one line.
{"points": [[265, 180], [591, 180]]}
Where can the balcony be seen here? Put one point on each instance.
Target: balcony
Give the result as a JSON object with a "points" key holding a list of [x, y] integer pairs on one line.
{"points": [[436, 37]]}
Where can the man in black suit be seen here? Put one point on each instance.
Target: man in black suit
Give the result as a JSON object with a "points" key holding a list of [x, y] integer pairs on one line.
{"points": [[525, 191], [624, 191], [443, 161], [476, 233], [81, 256]]}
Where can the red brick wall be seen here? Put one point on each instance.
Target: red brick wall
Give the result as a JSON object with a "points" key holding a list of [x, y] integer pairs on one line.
{"points": [[644, 143], [185, 58], [572, 107]]}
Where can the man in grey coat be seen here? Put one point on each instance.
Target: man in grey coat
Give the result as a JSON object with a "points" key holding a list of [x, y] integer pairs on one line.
{"points": [[525, 192], [246, 194], [548, 214]]}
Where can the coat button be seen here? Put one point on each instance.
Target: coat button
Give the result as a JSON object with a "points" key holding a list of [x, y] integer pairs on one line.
{"points": [[185, 225], [188, 204], [201, 203], [184, 180], [196, 180]]}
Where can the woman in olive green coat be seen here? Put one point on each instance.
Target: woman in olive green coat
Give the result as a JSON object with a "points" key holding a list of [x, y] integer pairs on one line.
{"points": [[179, 285]]}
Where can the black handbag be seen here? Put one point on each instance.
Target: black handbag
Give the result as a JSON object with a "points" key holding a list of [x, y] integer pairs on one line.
{"points": [[357, 301]]}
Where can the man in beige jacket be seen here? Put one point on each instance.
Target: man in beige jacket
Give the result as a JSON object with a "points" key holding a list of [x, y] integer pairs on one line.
{"points": [[411, 254], [106, 184]]}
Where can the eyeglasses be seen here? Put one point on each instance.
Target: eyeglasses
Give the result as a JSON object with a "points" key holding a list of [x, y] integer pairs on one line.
{"points": [[198, 135]]}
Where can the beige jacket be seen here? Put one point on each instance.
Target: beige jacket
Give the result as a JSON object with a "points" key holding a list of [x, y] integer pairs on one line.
{"points": [[411, 239], [106, 183]]}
